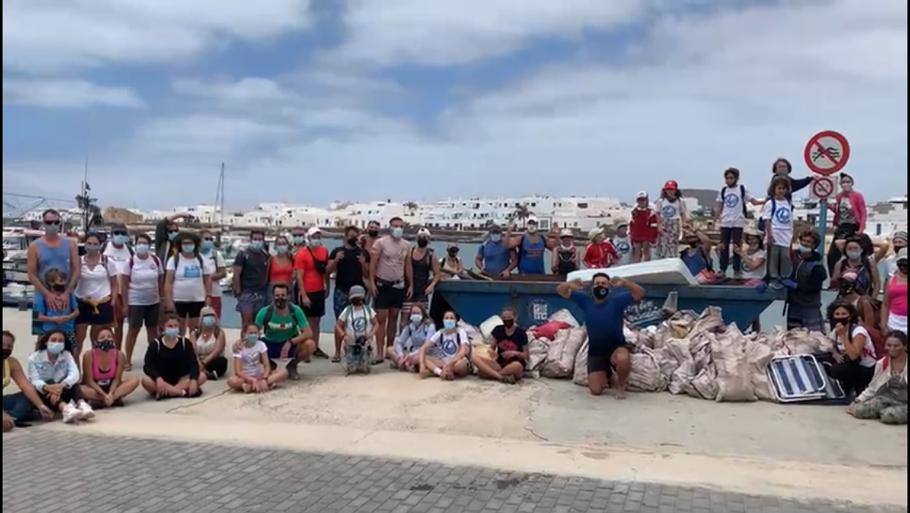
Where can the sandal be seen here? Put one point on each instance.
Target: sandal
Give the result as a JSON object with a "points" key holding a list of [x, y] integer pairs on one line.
{"points": [[336, 359]]}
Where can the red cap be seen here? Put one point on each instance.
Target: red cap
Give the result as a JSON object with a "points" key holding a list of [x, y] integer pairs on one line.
{"points": [[671, 185]]}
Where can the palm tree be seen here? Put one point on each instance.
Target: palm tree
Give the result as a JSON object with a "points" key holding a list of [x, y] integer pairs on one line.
{"points": [[521, 212]]}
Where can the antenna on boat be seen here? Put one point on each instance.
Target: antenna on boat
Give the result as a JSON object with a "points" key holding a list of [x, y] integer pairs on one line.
{"points": [[219, 199]]}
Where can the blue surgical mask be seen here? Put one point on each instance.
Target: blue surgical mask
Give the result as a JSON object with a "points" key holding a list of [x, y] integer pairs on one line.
{"points": [[448, 324], [397, 232], [805, 250], [171, 235], [207, 245], [854, 255], [251, 339], [188, 248], [416, 318], [281, 249], [92, 248], [120, 239], [171, 332], [142, 249], [55, 348], [298, 239], [316, 242], [208, 320], [256, 244], [495, 237]]}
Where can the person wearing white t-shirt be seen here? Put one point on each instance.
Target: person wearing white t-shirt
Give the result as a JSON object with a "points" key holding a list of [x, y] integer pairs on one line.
{"points": [[672, 213], [731, 212], [753, 254], [142, 284], [187, 282], [94, 293], [252, 372], [446, 353], [213, 255], [623, 244], [357, 327], [778, 213], [853, 352], [118, 251]]}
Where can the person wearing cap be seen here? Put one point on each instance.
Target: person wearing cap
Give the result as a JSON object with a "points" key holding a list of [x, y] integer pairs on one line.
{"points": [[622, 244], [450, 265], [312, 278], [898, 242], [251, 277], [117, 250], [697, 252], [643, 228], [894, 307], [752, 254], [357, 327], [531, 247], [388, 261], [600, 253], [209, 342], [731, 211], [419, 329], [351, 265], [421, 271], [564, 259], [672, 212], [494, 257]]}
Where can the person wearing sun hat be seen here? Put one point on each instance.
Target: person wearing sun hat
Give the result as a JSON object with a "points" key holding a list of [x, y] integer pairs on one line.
{"points": [[564, 259], [600, 253]]}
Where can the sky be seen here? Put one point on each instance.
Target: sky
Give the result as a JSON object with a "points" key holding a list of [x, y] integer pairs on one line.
{"points": [[316, 101]]}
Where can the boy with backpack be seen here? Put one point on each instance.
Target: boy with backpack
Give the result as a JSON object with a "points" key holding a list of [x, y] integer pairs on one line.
{"points": [[778, 216], [731, 212], [357, 327], [285, 331]]}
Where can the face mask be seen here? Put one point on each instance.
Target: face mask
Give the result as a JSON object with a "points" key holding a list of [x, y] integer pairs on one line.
{"points": [[532, 228], [119, 239], [105, 345], [188, 248], [171, 332], [397, 232], [846, 287], [854, 255], [251, 339], [92, 248], [298, 239], [207, 245], [55, 348], [281, 303], [373, 233], [416, 318], [566, 243], [453, 251], [58, 287], [315, 242], [208, 320], [142, 249], [448, 324], [51, 229], [282, 249], [7, 352], [508, 323], [172, 235], [352, 241], [840, 321], [495, 237], [600, 292], [422, 243], [356, 302], [256, 244], [805, 250]]}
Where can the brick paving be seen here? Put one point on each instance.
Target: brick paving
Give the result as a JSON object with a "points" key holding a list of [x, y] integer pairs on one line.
{"points": [[92, 474]]}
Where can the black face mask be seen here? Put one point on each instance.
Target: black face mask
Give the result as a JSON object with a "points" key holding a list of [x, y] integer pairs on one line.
{"points": [[847, 287], [106, 345], [601, 292], [6, 353], [453, 252], [58, 287], [508, 323], [373, 233], [422, 243], [352, 241], [281, 303], [356, 302]]}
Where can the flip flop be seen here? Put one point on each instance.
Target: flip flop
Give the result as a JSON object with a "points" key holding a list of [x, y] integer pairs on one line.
{"points": [[336, 359]]}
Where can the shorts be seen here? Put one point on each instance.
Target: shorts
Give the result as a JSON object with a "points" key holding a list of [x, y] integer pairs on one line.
{"points": [[251, 301], [642, 240], [144, 314], [87, 315], [274, 349], [502, 362], [106, 387], [317, 304], [388, 297], [121, 313], [601, 362], [189, 309], [339, 302]]}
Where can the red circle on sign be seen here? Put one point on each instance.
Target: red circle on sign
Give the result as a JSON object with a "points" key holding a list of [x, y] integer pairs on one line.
{"points": [[823, 187], [816, 152]]}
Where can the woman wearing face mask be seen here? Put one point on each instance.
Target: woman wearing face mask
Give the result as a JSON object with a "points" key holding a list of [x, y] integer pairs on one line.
{"points": [[850, 213], [215, 259], [55, 376], [252, 372], [143, 280], [804, 294], [848, 294], [509, 351], [886, 396], [853, 354], [19, 408], [451, 265], [894, 307], [752, 254], [102, 381], [565, 258], [171, 367], [412, 337], [887, 253], [187, 282], [97, 281], [208, 342], [421, 272], [281, 266], [855, 260], [313, 280], [446, 353]]}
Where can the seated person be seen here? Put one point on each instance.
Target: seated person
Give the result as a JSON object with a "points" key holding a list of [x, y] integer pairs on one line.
{"points": [[414, 334], [867, 313], [886, 396], [450, 265], [252, 372], [171, 366], [208, 341], [697, 255], [853, 354], [357, 327], [102, 377], [509, 351], [55, 376], [446, 353], [19, 408], [285, 331]]}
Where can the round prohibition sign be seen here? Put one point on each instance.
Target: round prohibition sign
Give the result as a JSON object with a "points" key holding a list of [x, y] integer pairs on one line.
{"points": [[823, 187], [827, 152]]}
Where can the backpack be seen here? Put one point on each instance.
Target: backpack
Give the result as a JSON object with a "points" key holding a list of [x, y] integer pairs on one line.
{"points": [[762, 222], [742, 198]]}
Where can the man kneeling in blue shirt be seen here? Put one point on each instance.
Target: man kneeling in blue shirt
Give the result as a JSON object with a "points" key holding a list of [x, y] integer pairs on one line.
{"points": [[603, 317]]}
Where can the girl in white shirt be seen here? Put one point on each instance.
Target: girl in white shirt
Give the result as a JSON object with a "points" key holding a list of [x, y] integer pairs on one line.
{"points": [[446, 353], [142, 282], [94, 293], [672, 214], [252, 372], [753, 255]]}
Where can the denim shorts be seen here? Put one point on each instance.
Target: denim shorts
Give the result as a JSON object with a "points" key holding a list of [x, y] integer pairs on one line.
{"points": [[251, 301]]}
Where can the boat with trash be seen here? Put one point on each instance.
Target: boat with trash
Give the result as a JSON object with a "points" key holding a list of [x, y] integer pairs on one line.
{"points": [[669, 286]]}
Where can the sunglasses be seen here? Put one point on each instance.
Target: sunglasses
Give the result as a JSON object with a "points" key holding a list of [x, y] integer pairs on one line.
{"points": [[119, 233], [52, 223], [209, 239]]}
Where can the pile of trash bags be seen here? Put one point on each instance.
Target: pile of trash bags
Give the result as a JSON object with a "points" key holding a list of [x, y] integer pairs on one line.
{"points": [[689, 353]]}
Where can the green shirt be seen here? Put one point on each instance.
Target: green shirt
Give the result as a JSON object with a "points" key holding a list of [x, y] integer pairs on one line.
{"points": [[281, 328]]}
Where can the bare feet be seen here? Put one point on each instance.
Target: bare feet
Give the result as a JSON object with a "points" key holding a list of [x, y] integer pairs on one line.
{"points": [[619, 393]]}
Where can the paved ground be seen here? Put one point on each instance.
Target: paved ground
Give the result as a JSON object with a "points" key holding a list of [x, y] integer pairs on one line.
{"points": [[99, 474]]}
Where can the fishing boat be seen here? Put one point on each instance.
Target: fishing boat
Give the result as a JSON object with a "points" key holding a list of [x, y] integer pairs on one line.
{"points": [[15, 249]]}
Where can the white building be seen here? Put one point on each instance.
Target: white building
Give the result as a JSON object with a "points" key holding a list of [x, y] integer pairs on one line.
{"points": [[887, 217], [360, 214]]}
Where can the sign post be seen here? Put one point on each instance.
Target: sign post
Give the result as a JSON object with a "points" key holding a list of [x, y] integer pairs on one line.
{"points": [[826, 153]]}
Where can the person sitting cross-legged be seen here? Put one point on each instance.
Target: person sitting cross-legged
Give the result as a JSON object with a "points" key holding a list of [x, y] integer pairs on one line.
{"points": [[252, 372], [508, 354]]}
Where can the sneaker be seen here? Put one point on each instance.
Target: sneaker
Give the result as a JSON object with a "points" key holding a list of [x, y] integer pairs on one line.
{"points": [[70, 413], [85, 411], [776, 285], [790, 284], [738, 276], [319, 353], [292, 371]]}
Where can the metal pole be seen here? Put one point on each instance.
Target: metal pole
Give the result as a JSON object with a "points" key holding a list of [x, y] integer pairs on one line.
{"points": [[822, 224]]}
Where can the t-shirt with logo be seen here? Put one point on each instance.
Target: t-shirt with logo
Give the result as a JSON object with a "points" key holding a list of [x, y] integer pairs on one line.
{"points": [[623, 247], [281, 327], [670, 210], [250, 361], [445, 345], [868, 357], [144, 275], [358, 320], [732, 200], [845, 211], [780, 215], [517, 341], [189, 273]]}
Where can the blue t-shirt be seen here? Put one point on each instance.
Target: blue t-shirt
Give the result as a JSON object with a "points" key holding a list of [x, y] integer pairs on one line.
{"points": [[696, 261], [495, 256], [604, 321], [40, 306], [530, 255]]}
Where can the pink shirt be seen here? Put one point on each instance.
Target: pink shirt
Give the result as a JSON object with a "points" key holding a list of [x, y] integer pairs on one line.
{"points": [[897, 294]]}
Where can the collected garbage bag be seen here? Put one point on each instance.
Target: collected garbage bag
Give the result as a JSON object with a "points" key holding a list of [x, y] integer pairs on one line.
{"points": [[538, 349], [550, 329], [734, 380], [759, 354], [711, 320], [645, 375], [563, 349], [580, 375], [564, 315], [486, 327], [670, 358], [704, 382]]}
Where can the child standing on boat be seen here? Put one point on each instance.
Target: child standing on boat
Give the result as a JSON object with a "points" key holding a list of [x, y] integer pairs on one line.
{"points": [[643, 228], [672, 214], [778, 212]]}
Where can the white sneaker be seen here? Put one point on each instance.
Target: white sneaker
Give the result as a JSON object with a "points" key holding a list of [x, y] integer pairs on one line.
{"points": [[85, 411], [71, 413]]}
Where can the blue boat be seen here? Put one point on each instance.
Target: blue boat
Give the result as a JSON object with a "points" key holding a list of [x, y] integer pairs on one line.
{"points": [[536, 301]]}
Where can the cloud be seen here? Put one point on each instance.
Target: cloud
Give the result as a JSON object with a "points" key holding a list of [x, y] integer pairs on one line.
{"points": [[49, 37], [67, 93]]}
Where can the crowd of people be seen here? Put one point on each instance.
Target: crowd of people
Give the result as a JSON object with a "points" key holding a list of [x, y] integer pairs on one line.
{"points": [[382, 286]]}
